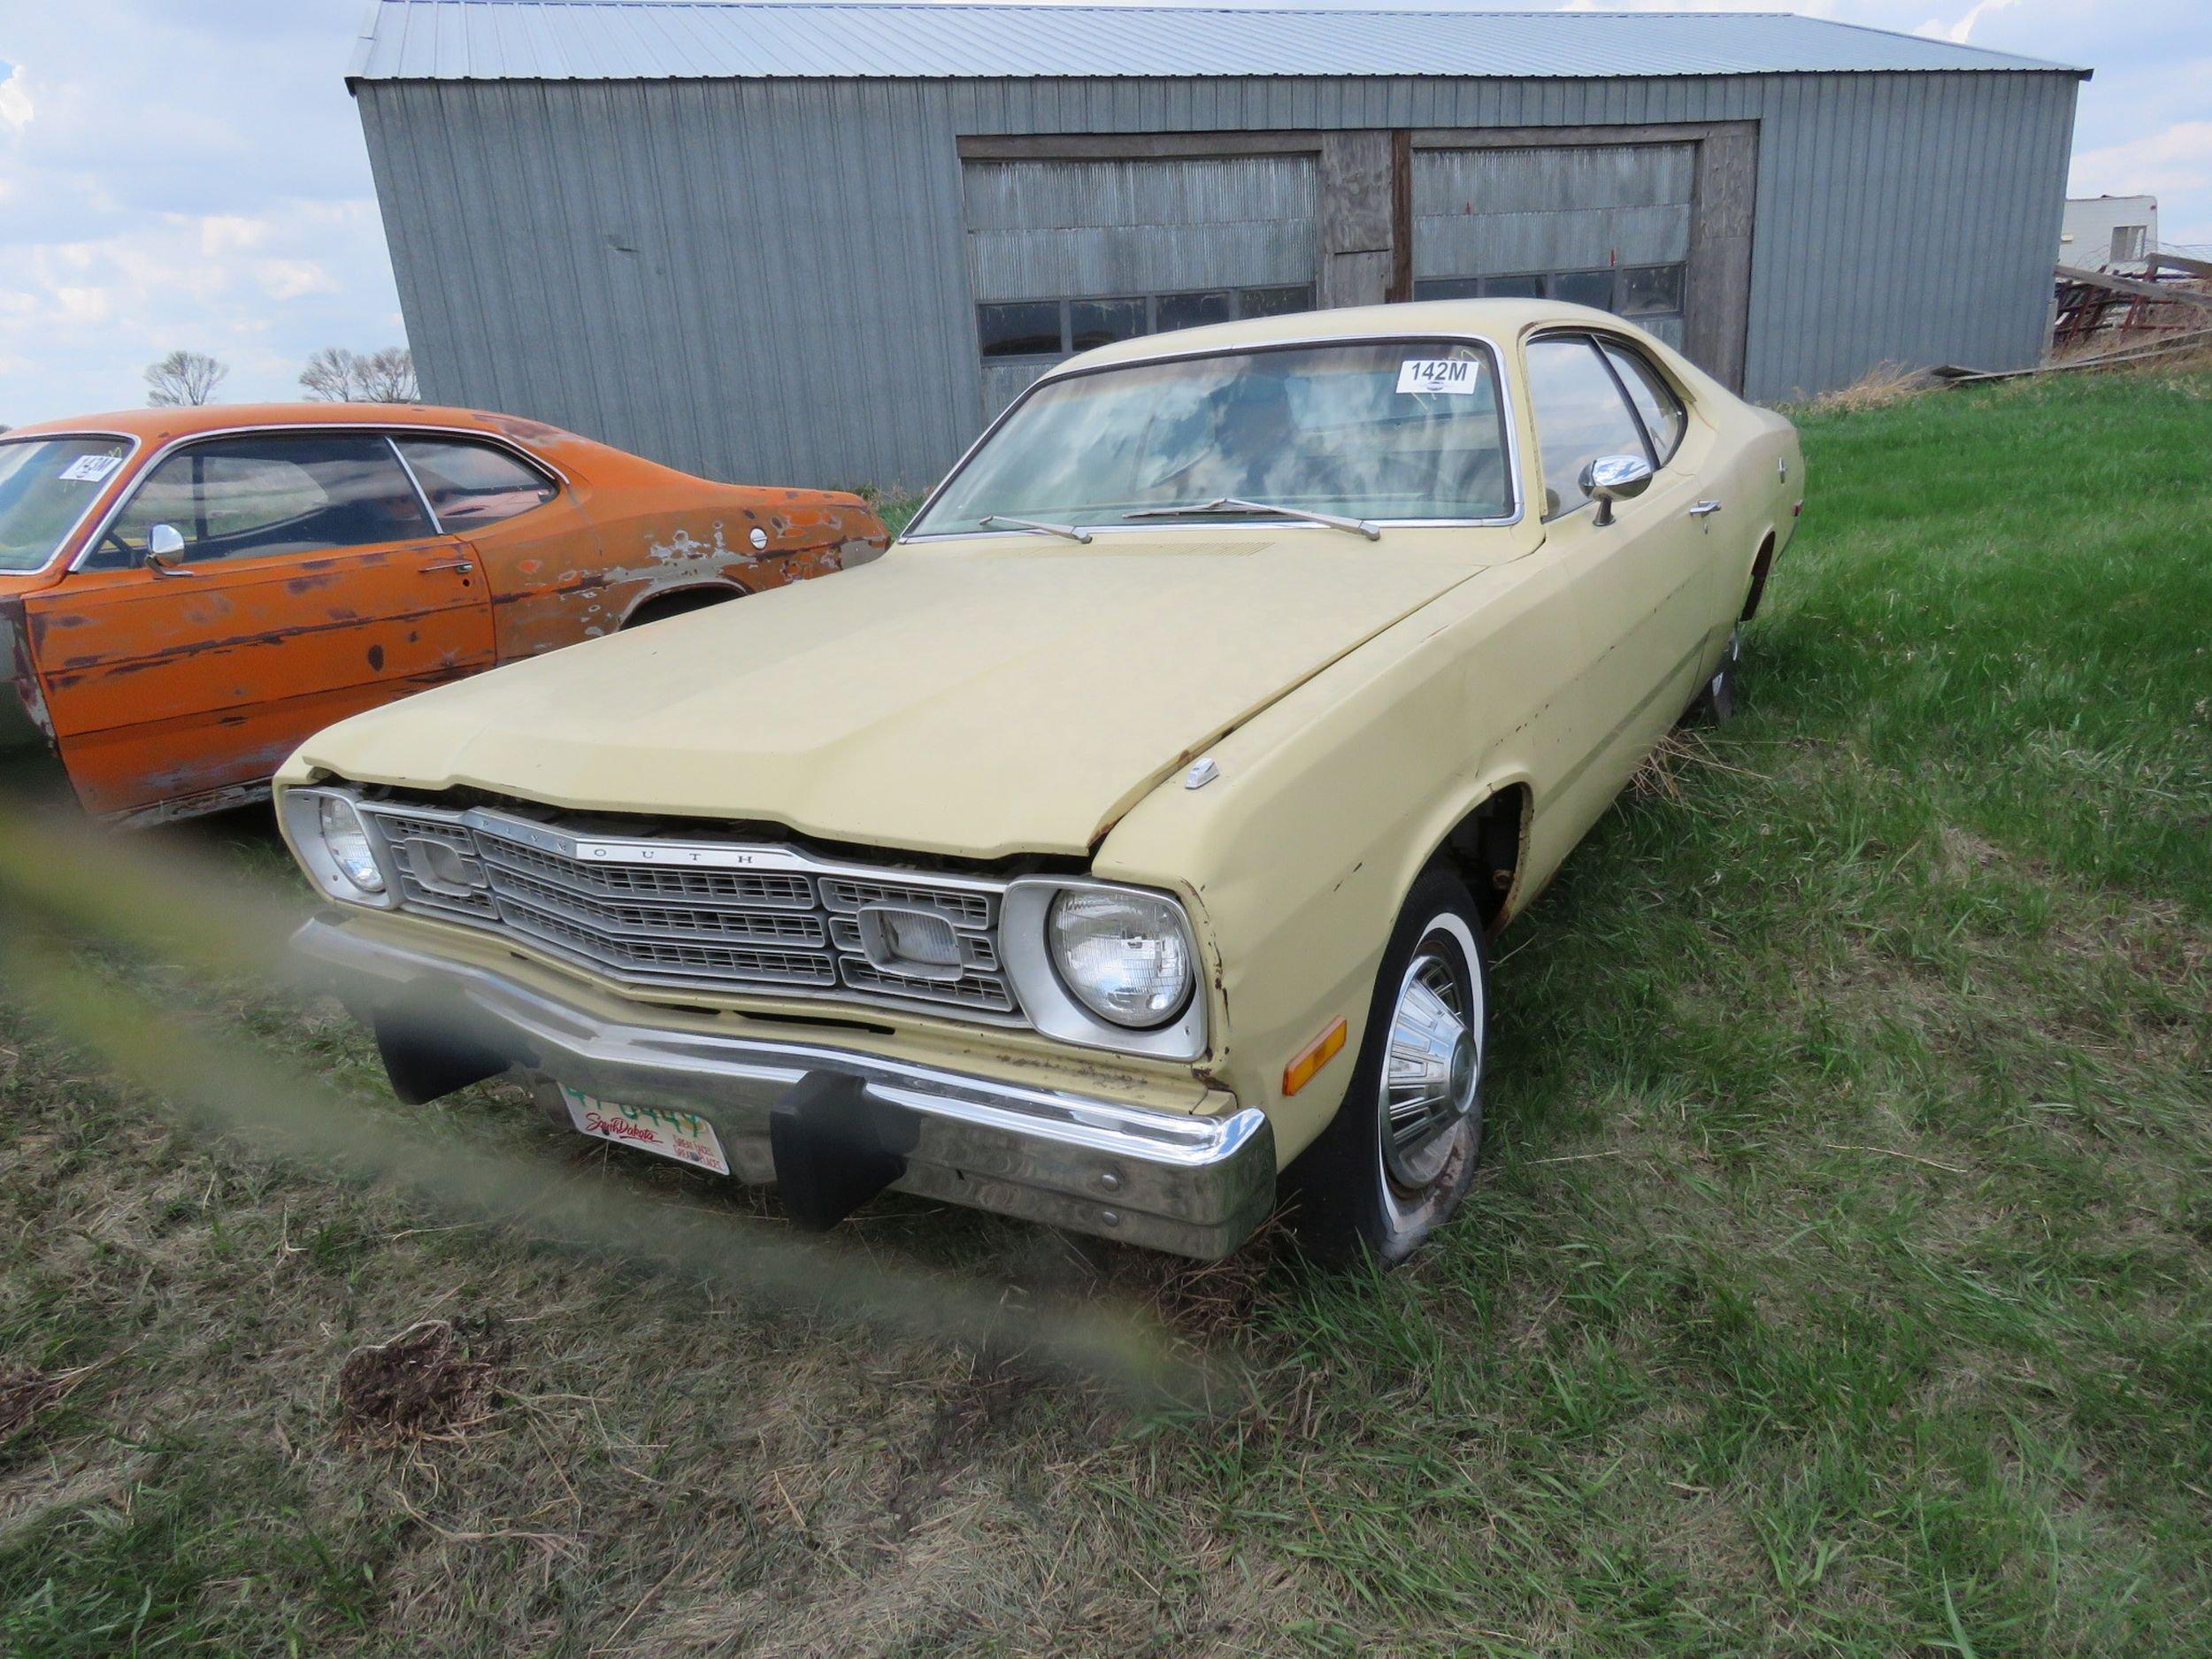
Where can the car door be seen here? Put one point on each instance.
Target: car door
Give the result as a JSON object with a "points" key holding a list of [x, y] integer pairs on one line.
{"points": [[543, 559], [253, 589], [1638, 585]]}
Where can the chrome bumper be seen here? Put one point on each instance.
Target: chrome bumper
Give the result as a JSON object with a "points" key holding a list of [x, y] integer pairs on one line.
{"points": [[1192, 1186]]}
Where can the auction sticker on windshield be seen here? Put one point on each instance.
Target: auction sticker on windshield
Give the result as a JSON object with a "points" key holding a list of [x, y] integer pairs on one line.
{"points": [[684, 1136], [1459, 375]]}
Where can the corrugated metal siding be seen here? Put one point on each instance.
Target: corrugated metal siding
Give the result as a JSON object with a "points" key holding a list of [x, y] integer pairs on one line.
{"points": [[767, 278], [422, 40]]}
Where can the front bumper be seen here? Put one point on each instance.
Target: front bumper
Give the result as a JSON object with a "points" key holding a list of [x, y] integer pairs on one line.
{"points": [[1193, 1186]]}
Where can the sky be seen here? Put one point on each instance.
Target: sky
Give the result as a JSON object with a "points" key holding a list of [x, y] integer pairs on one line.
{"points": [[191, 173]]}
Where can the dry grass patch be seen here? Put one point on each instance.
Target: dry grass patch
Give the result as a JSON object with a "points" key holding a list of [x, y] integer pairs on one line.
{"points": [[430, 1382], [24, 1392], [1881, 385]]}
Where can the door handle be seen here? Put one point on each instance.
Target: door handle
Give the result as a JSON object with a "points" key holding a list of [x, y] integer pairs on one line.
{"points": [[1703, 509], [462, 566]]}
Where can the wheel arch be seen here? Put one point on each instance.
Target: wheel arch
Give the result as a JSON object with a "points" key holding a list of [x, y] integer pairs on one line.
{"points": [[1486, 847], [675, 602], [1762, 563]]}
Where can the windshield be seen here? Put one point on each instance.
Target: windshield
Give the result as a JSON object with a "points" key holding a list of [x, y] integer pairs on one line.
{"points": [[46, 484], [1391, 429]]}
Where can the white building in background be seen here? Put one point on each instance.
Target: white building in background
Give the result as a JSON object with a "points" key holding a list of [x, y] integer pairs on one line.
{"points": [[2104, 232]]}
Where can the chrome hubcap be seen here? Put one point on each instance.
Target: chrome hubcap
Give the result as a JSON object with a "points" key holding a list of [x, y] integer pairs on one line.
{"points": [[1432, 1068]]}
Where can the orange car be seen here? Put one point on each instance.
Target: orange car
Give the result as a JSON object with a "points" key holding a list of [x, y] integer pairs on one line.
{"points": [[186, 593]]}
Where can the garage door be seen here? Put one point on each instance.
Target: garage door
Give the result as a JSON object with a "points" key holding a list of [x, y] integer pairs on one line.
{"points": [[1066, 255], [1604, 224]]}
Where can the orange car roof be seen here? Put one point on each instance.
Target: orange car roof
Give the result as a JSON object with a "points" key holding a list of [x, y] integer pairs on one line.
{"points": [[162, 424]]}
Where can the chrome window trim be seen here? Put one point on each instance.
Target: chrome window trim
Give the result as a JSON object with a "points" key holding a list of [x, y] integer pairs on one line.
{"points": [[1507, 410], [421, 494], [368, 429], [1630, 348], [1594, 336], [132, 443]]}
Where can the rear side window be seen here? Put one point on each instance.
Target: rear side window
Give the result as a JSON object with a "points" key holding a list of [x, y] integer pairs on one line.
{"points": [[471, 485], [1580, 415], [1657, 405], [267, 495]]}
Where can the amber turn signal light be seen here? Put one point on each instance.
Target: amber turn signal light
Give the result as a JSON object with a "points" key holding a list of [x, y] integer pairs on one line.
{"points": [[1309, 1059]]}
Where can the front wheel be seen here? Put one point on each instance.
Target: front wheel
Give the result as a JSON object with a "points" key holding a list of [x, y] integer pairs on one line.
{"points": [[1394, 1161]]}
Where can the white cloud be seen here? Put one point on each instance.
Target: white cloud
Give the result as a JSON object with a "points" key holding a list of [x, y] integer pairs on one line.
{"points": [[2174, 164], [1961, 32], [195, 177], [15, 102], [223, 234], [289, 279]]}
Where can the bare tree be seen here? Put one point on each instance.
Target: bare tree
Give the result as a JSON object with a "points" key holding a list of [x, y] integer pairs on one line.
{"points": [[183, 377], [389, 376], [329, 376], [335, 375]]}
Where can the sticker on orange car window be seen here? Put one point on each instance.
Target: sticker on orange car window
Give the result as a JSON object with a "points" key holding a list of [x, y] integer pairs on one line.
{"points": [[1439, 375], [90, 469]]}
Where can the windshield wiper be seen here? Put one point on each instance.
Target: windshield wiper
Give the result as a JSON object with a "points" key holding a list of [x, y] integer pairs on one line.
{"points": [[1072, 531], [1237, 503]]}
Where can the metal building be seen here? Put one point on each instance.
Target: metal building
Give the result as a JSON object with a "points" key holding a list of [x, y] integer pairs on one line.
{"points": [[822, 243]]}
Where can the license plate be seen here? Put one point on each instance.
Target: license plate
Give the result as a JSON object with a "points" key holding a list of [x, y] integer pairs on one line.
{"points": [[684, 1136]]}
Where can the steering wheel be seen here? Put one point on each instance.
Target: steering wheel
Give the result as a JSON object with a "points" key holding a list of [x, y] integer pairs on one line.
{"points": [[131, 555]]}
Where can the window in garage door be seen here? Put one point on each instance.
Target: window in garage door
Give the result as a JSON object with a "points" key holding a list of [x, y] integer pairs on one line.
{"points": [[1068, 254], [1601, 224]]}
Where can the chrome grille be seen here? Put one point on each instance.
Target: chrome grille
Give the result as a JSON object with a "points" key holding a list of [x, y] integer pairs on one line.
{"points": [[415, 882], [786, 891], [961, 909], [622, 906], [767, 927]]}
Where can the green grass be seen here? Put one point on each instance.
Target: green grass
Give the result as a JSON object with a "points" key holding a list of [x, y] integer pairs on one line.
{"points": [[1839, 1280]]}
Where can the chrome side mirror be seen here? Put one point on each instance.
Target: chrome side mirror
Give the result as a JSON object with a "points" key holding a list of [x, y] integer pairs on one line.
{"points": [[165, 546], [1612, 478]]}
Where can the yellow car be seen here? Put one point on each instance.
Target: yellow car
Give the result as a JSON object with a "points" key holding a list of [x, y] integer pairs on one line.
{"points": [[1122, 849]]}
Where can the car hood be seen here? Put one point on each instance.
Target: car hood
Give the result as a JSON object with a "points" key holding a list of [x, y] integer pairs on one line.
{"points": [[982, 698]]}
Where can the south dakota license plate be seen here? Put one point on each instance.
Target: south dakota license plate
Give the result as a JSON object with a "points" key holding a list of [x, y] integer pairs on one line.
{"points": [[684, 1136]]}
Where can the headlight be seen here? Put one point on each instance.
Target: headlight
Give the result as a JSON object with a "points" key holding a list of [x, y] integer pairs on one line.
{"points": [[1123, 955], [333, 846], [348, 844]]}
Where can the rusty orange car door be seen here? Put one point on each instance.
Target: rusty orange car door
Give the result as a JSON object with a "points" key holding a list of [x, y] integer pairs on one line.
{"points": [[310, 584]]}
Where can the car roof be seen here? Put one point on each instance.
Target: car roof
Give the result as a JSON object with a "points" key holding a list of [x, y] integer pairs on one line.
{"points": [[168, 423], [1500, 320]]}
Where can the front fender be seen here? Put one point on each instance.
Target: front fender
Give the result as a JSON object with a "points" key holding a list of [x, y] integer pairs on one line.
{"points": [[1300, 853]]}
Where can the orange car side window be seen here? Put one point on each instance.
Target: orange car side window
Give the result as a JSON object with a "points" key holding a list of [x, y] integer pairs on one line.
{"points": [[471, 485], [264, 495]]}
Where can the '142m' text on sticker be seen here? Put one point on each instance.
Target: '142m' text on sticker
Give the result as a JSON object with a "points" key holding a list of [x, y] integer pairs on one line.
{"points": [[90, 469], [1439, 375]]}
